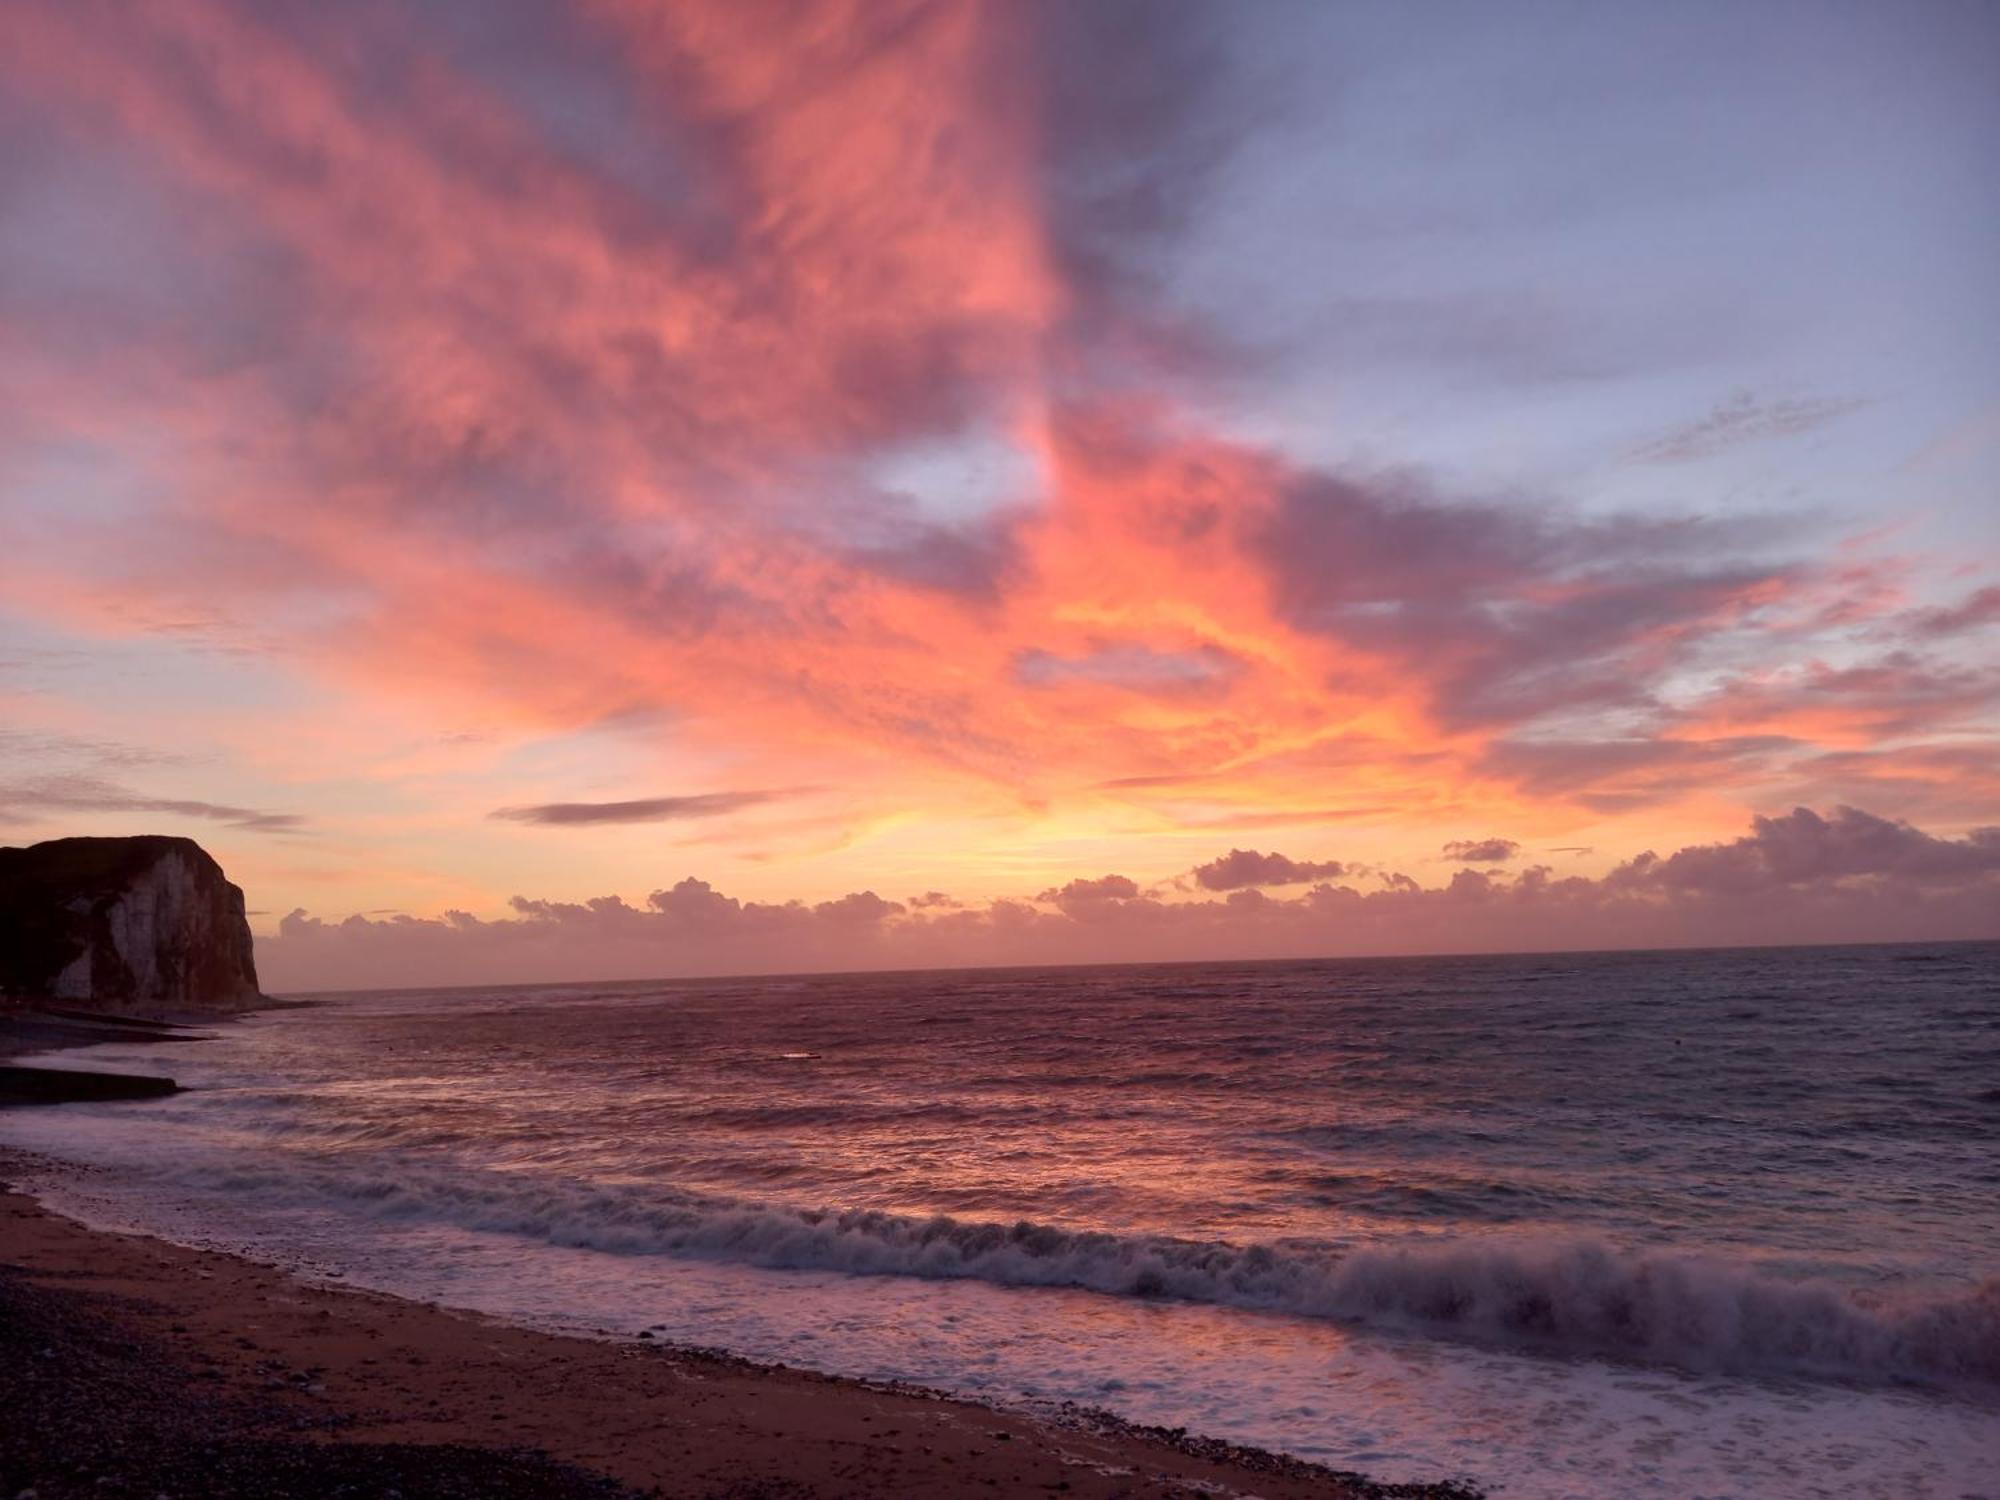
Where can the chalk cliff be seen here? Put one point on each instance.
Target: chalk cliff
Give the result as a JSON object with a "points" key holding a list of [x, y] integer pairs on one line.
{"points": [[124, 924]]}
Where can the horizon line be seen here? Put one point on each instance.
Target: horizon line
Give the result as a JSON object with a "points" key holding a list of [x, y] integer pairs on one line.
{"points": [[1142, 963]]}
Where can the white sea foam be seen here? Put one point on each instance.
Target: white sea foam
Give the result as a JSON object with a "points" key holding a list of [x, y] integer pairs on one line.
{"points": [[1561, 1295]]}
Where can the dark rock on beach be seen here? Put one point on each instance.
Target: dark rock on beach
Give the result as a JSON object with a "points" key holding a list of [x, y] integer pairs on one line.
{"points": [[74, 1085], [47, 1030], [145, 924]]}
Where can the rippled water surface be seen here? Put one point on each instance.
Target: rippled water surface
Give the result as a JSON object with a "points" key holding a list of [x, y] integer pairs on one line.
{"points": [[1606, 1224]]}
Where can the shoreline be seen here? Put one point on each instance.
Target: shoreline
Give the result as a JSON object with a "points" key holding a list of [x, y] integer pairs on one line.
{"points": [[309, 1389]]}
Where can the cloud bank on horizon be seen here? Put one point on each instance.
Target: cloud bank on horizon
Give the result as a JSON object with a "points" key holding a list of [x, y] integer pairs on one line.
{"points": [[1800, 878], [515, 438]]}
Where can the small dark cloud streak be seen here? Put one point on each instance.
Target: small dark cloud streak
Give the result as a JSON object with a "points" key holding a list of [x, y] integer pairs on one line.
{"points": [[83, 794], [638, 810]]}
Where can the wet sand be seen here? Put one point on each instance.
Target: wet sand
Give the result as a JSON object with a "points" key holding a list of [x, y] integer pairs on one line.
{"points": [[129, 1366]]}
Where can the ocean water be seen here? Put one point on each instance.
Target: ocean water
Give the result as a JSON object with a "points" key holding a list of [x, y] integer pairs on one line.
{"points": [[1599, 1225]]}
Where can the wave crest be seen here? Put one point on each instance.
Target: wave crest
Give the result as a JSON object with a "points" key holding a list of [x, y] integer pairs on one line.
{"points": [[1573, 1296]]}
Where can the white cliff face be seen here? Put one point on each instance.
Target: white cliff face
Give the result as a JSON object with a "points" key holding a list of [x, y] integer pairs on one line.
{"points": [[161, 916]]}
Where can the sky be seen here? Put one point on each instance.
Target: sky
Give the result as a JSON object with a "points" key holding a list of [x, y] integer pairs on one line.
{"points": [[616, 488]]}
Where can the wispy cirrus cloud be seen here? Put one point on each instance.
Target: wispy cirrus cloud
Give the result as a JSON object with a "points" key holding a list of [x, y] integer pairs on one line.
{"points": [[33, 746], [85, 794], [1746, 417]]}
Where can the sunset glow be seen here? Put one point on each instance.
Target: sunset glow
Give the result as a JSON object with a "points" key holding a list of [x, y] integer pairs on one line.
{"points": [[876, 484]]}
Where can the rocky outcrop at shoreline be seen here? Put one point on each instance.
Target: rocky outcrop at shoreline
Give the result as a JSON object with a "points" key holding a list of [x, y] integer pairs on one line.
{"points": [[127, 925], [19, 1085], [24, 1030]]}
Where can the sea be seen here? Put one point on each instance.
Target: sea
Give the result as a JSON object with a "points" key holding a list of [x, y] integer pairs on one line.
{"points": [[1669, 1224]]}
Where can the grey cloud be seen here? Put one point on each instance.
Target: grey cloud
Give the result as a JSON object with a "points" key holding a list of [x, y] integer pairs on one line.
{"points": [[1956, 780], [1481, 851], [1084, 892], [970, 561], [1804, 848], [858, 909], [1898, 694], [1976, 611], [1143, 104], [1618, 775], [1506, 614], [1241, 868]]}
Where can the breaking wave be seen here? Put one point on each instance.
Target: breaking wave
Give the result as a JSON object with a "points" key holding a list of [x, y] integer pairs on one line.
{"points": [[1559, 1295]]}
